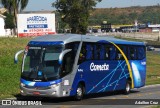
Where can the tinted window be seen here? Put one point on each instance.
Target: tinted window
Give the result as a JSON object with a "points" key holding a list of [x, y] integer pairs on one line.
{"points": [[119, 56], [141, 52], [89, 51], [132, 53], [102, 52], [74, 46], [107, 52], [82, 55], [67, 65], [69, 58], [96, 52], [112, 52]]}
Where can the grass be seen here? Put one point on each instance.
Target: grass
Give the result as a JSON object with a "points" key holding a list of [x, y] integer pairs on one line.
{"points": [[10, 72], [153, 68], [149, 42]]}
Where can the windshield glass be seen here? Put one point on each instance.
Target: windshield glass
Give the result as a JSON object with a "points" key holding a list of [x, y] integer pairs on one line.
{"points": [[41, 63]]}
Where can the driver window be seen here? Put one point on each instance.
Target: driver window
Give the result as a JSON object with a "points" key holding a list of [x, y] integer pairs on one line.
{"points": [[69, 58], [68, 62]]}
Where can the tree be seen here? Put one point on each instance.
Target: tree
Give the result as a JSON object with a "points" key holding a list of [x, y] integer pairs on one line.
{"points": [[75, 13], [9, 21], [14, 7]]}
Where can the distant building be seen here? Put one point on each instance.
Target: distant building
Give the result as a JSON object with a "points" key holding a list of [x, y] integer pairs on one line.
{"points": [[2, 24], [149, 28], [128, 29]]}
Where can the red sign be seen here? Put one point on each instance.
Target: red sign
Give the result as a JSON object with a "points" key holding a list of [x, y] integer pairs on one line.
{"points": [[34, 34]]}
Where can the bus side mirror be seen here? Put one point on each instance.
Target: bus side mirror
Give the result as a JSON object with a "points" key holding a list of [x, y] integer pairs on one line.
{"points": [[62, 55], [16, 56]]}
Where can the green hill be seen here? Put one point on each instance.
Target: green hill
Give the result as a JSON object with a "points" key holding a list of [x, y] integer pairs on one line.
{"points": [[146, 14]]}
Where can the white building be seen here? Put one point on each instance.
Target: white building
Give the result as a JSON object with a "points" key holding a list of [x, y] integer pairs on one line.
{"points": [[2, 24]]}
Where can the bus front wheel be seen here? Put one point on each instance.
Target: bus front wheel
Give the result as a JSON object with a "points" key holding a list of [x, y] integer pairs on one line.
{"points": [[79, 92]]}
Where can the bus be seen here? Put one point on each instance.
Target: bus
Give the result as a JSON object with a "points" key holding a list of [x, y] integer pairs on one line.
{"points": [[65, 65]]}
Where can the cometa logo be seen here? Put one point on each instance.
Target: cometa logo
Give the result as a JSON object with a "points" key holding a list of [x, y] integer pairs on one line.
{"points": [[103, 67], [37, 18]]}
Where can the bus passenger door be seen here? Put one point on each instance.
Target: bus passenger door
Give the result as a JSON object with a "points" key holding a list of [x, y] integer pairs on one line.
{"points": [[69, 66]]}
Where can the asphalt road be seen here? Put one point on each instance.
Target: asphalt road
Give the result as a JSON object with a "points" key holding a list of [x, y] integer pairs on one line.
{"points": [[148, 96]]}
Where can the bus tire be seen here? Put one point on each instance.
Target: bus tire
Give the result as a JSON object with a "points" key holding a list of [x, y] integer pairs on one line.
{"points": [[127, 88], [79, 92]]}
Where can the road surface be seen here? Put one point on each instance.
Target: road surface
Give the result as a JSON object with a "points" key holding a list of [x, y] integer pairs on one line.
{"points": [[147, 96]]}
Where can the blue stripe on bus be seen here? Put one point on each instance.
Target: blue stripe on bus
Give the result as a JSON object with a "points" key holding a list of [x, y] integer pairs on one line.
{"points": [[40, 84], [42, 43], [106, 77]]}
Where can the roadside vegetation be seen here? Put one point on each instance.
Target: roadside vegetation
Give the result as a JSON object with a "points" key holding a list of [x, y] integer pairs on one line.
{"points": [[148, 42], [127, 15], [10, 72], [153, 70], [155, 107]]}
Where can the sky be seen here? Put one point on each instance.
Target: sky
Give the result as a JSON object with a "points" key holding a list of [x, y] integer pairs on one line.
{"points": [[36, 5]]}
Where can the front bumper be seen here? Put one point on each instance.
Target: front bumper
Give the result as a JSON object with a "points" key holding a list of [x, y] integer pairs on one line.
{"points": [[41, 92]]}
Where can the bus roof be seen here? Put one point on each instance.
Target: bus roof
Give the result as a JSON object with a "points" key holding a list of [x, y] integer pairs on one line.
{"points": [[67, 38]]}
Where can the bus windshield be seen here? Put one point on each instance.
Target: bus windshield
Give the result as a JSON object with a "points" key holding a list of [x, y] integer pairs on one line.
{"points": [[41, 63]]}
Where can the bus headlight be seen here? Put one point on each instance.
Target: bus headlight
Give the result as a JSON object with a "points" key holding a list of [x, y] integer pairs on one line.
{"points": [[22, 84], [54, 85]]}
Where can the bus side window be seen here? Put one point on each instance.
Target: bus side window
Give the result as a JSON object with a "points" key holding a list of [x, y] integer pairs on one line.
{"points": [[82, 55], [89, 50], [132, 53], [125, 50], [112, 53], [118, 54], [69, 58], [107, 51], [102, 52], [141, 53], [67, 65], [96, 52]]}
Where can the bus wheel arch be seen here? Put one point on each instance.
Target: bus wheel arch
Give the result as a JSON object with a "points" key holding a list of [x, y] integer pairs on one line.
{"points": [[80, 90]]}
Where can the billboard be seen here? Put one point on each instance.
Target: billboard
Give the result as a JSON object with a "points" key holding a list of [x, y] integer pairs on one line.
{"points": [[35, 24]]}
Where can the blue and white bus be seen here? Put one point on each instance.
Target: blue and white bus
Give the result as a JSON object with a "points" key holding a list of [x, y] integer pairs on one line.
{"points": [[74, 65]]}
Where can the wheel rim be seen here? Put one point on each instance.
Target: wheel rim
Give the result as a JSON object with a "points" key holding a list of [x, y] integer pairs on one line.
{"points": [[128, 87], [79, 92]]}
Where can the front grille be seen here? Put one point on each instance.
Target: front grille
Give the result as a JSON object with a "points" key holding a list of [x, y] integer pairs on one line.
{"points": [[38, 88]]}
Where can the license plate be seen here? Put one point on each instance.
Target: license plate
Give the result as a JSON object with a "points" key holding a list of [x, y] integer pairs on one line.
{"points": [[36, 93]]}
